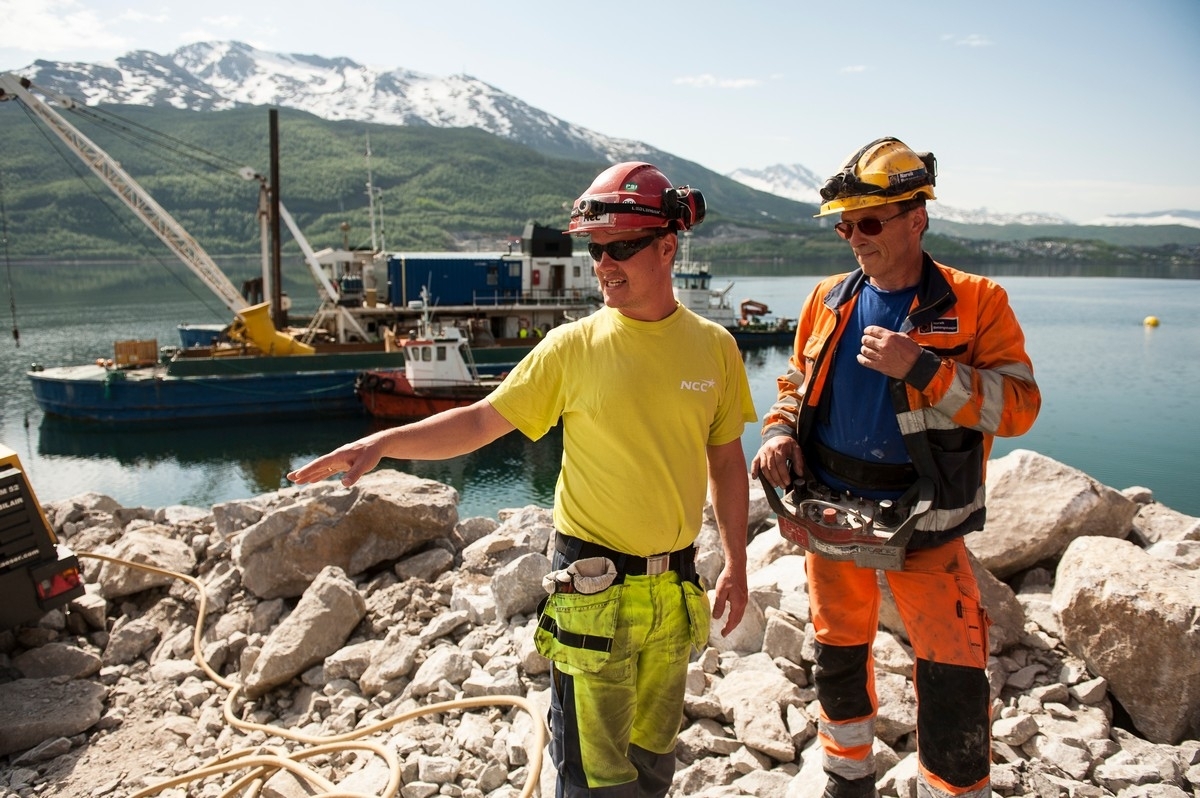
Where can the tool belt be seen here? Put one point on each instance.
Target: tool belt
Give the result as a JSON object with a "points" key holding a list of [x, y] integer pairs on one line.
{"points": [[862, 474], [682, 561], [578, 619]]}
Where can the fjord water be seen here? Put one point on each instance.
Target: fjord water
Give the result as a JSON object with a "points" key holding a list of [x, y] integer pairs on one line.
{"points": [[1120, 401]]}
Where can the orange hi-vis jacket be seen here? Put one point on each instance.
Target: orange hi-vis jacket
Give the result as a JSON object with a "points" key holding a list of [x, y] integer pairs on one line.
{"points": [[974, 381]]}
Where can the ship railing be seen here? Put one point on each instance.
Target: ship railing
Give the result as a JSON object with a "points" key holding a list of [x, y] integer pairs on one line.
{"points": [[574, 296]]}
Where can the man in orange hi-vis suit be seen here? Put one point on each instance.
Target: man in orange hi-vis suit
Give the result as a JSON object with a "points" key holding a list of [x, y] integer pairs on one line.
{"points": [[904, 370]]}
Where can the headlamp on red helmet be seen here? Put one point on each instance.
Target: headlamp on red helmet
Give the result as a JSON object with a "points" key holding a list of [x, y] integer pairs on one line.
{"points": [[635, 196], [683, 204]]}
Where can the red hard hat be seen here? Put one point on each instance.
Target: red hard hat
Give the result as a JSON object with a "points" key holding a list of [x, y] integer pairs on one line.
{"points": [[635, 196]]}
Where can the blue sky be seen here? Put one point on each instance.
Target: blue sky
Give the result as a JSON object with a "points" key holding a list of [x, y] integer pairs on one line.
{"points": [[1075, 108]]}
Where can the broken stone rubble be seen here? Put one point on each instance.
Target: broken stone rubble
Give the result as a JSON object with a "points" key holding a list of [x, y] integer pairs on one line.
{"points": [[382, 602]]}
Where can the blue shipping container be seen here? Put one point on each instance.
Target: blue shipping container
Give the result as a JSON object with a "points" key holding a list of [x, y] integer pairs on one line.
{"points": [[454, 278]]}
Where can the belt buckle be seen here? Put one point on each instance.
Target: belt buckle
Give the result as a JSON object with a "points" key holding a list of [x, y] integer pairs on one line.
{"points": [[658, 564]]}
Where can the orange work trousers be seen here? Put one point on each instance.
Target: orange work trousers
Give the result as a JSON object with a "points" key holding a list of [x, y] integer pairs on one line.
{"points": [[938, 598]]}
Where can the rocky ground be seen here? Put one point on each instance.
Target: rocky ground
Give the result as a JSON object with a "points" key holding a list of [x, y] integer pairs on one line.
{"points": [[375, 611]]}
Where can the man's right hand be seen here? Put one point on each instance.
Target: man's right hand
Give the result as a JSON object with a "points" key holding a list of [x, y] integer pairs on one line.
{"points": [[352, 460], [779, 460]]}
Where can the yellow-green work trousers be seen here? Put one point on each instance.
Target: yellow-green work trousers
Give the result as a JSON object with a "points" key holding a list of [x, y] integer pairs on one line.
{"points": [[615, 715]]}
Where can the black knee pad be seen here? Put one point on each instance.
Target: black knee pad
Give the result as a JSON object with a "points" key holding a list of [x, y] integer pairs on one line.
{"points": [[840, 675], [953, 723]]}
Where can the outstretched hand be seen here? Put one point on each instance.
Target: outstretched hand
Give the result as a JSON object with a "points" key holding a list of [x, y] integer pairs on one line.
{"points": [[443, 435], [352, 460]]}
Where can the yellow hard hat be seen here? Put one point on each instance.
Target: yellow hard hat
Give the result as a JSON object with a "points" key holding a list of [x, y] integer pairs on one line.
{"points": [[884, 171]]}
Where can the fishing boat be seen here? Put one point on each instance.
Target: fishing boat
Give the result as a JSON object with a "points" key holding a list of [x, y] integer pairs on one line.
{"points": [[757, 326], [752, 325], [439, 373], [261, 365]]}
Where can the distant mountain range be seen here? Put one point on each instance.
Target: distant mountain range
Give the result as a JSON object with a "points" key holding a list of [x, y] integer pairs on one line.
{"points": [[803, 185], [222, 75]]}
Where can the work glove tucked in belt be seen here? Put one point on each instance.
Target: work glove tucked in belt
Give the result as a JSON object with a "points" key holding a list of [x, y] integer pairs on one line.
{"points": [[588, 576]]}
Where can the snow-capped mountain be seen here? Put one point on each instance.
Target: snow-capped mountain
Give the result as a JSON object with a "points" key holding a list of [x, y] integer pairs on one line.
{"points": [[948, 213], [793, 181], [803, 185], [1186, 218], [220, 75]]}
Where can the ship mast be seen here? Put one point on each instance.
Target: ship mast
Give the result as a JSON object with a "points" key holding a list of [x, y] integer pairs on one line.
{"points": [[377, 244]]}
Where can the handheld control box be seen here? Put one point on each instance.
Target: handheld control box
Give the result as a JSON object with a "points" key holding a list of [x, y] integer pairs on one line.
{"points": [[874, 534]]}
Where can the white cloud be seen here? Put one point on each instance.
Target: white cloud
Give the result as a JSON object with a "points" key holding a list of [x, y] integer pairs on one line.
{"points": [[707, 81], [970, 40], [975, 40], [217, 28], [53, 26], [197, 35], [854, 69], [226, 21], [133, 15]]}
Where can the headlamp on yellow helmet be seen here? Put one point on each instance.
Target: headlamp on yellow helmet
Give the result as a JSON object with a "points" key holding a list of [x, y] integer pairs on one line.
{"points": [[883, 172]]}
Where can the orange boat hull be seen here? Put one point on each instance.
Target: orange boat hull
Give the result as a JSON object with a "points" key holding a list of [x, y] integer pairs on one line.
{"points": [[389, 395]]}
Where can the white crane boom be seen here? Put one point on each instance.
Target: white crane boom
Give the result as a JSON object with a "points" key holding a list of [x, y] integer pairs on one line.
{"points": [[139, 201]]}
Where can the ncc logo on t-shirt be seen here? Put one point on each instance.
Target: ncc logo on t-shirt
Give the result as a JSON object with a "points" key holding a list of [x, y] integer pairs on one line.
{"points": [[700, 386]]}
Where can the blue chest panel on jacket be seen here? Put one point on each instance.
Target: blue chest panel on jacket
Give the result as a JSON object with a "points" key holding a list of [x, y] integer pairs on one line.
{"points": [[862, 423]]}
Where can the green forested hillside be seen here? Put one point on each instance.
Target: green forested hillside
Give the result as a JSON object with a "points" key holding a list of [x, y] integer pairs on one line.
{"points": [[438, 189], [1131, 236]]}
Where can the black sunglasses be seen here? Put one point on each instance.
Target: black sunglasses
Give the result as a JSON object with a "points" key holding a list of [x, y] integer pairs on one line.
{"points": [[621, 250], [870, 226]]}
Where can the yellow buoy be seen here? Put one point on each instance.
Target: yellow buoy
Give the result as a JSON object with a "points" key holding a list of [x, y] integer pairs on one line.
{"points": [[1151, 321]]}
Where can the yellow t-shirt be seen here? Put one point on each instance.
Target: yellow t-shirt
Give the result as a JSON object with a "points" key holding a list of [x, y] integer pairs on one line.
{"points": [[639, 401]]}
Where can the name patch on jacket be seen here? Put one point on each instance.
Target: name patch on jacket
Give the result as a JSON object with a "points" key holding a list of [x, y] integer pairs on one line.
{"points": [[940, 326]]}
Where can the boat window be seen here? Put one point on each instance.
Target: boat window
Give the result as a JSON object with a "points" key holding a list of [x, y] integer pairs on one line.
{"points": [[426, 354], [514, 269], [441, 356], [493, 276]]}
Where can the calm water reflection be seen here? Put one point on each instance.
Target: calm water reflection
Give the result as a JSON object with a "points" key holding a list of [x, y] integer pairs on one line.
{"points": [[1120, 401], [203, 465]]}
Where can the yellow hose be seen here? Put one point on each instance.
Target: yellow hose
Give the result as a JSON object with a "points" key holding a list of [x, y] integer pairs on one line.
{"points": [[264, 762]]}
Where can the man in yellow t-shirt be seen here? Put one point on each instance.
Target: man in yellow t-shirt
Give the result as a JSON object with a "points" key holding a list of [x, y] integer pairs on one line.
{"points": [[653, 400]]}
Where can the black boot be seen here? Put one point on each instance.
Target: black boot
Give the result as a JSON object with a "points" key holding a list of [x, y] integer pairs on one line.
{"points": [[841, 787]]}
